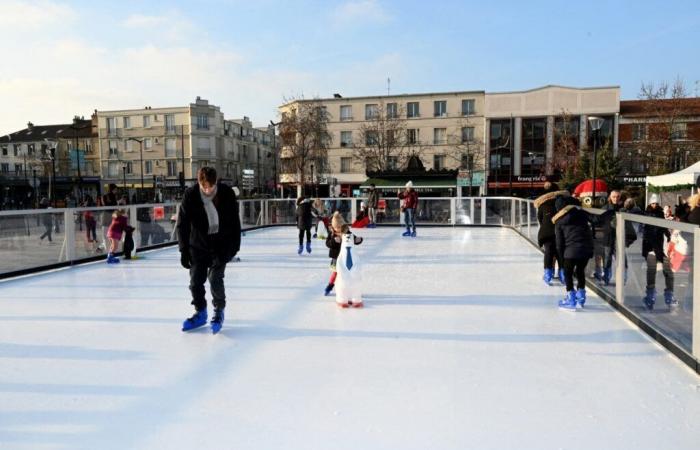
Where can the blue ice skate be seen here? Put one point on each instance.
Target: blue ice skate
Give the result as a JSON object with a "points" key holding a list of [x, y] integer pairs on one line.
{"points": [[650, 298], [406, 233], [308, 247], [413, 234], [607, 276], [669, 298], [568, 303], [328, 289], [217, 321], [598, 275], [111, 259], [197, 320], [581, 297], [300, 250], [547, 277]]}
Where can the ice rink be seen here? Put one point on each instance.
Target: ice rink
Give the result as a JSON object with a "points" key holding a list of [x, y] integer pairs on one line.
{"points": [[460, 345]]}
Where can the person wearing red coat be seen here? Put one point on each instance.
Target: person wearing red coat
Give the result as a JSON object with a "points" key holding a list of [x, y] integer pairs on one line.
{"points": [[409, 205]]}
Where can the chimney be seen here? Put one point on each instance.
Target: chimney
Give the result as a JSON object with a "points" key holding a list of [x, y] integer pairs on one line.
{"points": [[30, 126]]}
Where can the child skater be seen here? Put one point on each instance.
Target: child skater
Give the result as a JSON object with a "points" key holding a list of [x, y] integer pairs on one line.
{"points": [[333, 242], [114, 233]]}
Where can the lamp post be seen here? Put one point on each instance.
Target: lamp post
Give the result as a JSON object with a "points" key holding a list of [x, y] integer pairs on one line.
{"points": [[52, 150], [532, 173], [75, 128], [596, 123], [140, 141], [124, 164], [36, 197]]}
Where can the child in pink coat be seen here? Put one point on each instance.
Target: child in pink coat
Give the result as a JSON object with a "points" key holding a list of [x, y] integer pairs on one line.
{"points": [[114, 233]]}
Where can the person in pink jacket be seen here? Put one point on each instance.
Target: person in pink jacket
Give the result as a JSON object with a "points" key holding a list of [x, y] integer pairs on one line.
{"points": [[114, 233], [409, 205]]}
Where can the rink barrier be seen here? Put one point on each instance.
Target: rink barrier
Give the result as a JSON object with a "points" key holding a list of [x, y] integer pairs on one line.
{"points": [[23, 253]]}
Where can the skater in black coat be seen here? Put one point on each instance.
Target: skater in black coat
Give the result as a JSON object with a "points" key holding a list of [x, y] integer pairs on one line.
{"points": [[305, 214], [546, 209], [653, 252], [574, 237], [209, 236], [128, 241]]}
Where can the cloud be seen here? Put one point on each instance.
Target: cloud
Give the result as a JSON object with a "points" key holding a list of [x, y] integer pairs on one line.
{"points": [[33, 15], [360, 12], [173, 26]]}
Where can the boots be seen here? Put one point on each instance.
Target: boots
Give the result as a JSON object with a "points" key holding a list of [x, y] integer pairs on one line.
{"points": [[669, 298], [308, 247], [581, 297], [547, 277], [197, 320], [217, 321], [650, 298], [569, 302], [300, 250]]}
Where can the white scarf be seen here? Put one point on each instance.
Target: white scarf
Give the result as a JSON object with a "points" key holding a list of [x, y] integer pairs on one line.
{"points": [[210, 209]]}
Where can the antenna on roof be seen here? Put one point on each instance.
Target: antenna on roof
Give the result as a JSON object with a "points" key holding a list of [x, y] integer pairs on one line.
{"points": [[388, 86]]}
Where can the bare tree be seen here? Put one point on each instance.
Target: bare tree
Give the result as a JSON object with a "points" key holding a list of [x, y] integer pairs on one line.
{"points": [[566, 160], [664, 109], [305, 138], [466, 150], [384, 139]]}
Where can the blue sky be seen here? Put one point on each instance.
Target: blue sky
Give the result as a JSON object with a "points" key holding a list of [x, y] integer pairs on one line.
{"points": [[70, 57]]}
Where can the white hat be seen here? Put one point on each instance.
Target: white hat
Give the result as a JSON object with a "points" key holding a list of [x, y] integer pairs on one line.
{"points": [[409, 184], [653, 199]]}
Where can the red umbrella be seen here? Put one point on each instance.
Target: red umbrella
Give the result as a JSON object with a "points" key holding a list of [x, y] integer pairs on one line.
{"points": [[585, 188]]}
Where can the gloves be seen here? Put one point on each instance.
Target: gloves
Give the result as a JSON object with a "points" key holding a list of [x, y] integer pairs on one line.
{"points": [[185, 259]]}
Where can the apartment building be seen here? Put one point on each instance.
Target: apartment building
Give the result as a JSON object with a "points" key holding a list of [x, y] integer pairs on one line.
{"points": [[527, 130], [53, 161], [436, 126], [250, 156]]}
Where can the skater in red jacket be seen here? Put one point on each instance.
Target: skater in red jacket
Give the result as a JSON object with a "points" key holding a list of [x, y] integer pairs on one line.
{"points": [[409, 205]]}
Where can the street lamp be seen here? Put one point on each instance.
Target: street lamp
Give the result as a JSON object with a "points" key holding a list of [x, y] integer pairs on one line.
{"points": [[52, 150], [75, 128], [36, 197], [596, 124], [140, 141], [124, 177]]}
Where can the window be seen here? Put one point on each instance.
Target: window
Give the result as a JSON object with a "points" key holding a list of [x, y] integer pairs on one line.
{"points": [[203, 146], [439, 136], [345, 165], [371, 138], [412, 109], [172, 168], [127, 122], [467, 134], [440, 108], [412, 135], [4, 168], [18, 169], [111, 126], [639, 132], [113, 149], [346, 138], [129, 145], [170, 147], [392, 110], [393, 163], [371, 111], [468, 107], [438, 162], [499, 146], [170, 123], [4, 150], [148, 144], [202, 122], [346, 112], [15, 149], [533, 146], [467, 161], [113, 169], [146, 121], [148, 167], [30, 149], [679, 131], [129, 168]]}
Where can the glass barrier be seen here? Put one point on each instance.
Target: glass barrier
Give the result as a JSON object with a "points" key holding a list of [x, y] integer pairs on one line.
{"points": [[463, 214], [498, 211], [31, 239]]}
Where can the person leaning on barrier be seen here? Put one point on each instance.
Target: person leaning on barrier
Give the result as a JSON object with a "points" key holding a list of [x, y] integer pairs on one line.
{"points": [[653, 252], [545, 205], [613, 205], [694, 214]]}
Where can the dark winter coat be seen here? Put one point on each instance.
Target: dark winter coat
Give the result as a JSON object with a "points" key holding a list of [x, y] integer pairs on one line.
{"points": [[546, 209], [372, 198], [410, 199], [654, 236], [574, 235], [128, 241], [334, 247], [694, 216], [193, 226], [630, 233], [305, 213]]}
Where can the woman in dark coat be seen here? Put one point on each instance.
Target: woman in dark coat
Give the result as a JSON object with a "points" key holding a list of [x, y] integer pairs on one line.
{"points": [[653, 252], [574, 237], [305, 213], [545, 236]]}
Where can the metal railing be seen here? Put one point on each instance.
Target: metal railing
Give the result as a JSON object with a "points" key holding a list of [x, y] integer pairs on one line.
{"points": [[25, 247]]}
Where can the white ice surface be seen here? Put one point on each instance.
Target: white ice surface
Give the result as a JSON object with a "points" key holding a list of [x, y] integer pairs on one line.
{"points": [[460, 345]]}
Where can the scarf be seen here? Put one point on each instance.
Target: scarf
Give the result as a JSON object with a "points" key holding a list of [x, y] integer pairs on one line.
{"points": [[210, 209]]}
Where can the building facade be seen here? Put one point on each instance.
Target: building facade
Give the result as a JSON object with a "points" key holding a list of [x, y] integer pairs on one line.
{"points": [[533, 135], [438, 128]]}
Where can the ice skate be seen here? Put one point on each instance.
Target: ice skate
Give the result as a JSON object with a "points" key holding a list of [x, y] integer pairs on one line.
{"points": [[547, 277], [308, 247], [413, 234], [300, 250], [328, 289], [650, 298], [406, 233], [568, 303], [669, 298], [217, 321], [580, 297], [197, 320]]}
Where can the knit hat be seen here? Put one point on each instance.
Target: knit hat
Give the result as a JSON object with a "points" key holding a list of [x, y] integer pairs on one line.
{"points": [[409, 184], [337, 221], [653, 199]]}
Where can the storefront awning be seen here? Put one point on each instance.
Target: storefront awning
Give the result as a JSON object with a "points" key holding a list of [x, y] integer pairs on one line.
{"points": [[400, 183]]}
